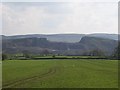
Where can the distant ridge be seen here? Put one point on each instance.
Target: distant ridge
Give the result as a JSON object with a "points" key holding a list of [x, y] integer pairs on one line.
{"points": [[69, 38], [37, 44]]}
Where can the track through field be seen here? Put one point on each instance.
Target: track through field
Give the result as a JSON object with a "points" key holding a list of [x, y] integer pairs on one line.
{"points": [[51, 71]]}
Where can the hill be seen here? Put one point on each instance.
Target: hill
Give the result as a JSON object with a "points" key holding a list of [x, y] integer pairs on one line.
{"points": [[69, 38], [37, 45], [95, 43], [53, 37], [108, 36]]}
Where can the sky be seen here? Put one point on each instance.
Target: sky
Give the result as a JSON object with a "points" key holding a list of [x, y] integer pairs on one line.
{"points": [[97, 16]]}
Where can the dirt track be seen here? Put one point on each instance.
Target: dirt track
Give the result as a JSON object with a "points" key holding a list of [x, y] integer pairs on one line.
{"points": [[51, 71]]}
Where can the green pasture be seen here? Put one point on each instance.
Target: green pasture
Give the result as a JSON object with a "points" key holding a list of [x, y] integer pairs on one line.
{"points": [[0, 74], [60, 73]]}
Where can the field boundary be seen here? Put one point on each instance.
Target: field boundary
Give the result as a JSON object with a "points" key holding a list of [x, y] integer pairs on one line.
{"points": [[68, 58]]}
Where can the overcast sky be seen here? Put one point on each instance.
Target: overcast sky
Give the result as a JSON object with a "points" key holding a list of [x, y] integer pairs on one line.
{"points": [[59, 17]]}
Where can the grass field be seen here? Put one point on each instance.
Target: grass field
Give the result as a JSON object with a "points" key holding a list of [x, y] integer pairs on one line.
{"points": [[0, 74], [60, 74]]}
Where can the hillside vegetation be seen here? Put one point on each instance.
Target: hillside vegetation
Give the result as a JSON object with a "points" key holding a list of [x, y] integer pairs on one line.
{"points": [[36, 45]]}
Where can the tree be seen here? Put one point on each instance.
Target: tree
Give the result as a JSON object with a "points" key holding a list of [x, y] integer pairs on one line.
{"points": [[26, 54], [116, 54], [4, 56], [53, 56], [45, 52], [97, 52]]}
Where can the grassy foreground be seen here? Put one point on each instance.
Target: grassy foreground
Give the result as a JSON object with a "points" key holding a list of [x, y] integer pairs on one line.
{"points": [[0, 74], [60, 74]]}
